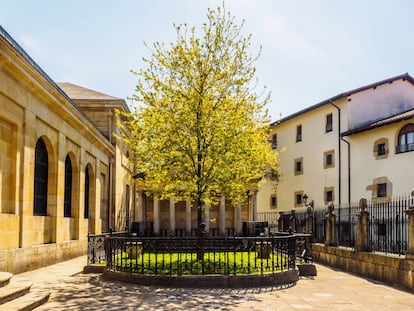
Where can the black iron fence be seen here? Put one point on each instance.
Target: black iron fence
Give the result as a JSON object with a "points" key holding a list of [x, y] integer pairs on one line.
{"points": [[96, 246], [270, 217], [206, 255], [388, 224]]}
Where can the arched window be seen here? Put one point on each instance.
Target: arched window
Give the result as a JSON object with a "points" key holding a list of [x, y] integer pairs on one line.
{"points": [[406, 139], [40, 179], [86, 209], [67, 205]]}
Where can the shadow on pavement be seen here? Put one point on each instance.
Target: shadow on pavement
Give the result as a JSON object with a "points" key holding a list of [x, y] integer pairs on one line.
{"points": [[90, 292]]}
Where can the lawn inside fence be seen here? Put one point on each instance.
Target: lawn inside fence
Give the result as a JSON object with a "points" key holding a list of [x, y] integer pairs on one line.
{"points": [[212, 263]]}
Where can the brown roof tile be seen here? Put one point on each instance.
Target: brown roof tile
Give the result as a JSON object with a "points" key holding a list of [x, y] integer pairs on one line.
{"points": [[79, 92]]}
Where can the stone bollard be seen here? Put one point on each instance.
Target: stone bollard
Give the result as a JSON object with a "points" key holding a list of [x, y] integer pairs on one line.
{"points": [[309, 220], [293, 221], [330, 226], [410, 213], [362, 241]]}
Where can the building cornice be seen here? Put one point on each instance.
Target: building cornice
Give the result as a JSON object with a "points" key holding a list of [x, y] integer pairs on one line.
{"points": [[335, 98], [27, 73]]}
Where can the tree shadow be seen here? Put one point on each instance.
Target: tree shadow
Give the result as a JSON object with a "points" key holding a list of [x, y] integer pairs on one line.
{"points": [[90, 292]]}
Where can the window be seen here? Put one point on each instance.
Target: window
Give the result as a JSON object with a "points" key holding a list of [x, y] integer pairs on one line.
{"points": [[273, 201], [298, 198], [381, 190], [274, 141], [329, 194], [328, 123], [406, 139], [40, 179], [67, 201], [329, 159], [86, 207], [298, 166], [298, 133], [381, 148]]}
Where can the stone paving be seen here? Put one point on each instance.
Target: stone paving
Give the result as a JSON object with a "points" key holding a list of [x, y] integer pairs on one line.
{"points": [[330, 290]]}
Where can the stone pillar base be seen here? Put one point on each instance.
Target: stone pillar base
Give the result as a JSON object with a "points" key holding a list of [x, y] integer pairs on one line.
{"points": [[409, 255]]}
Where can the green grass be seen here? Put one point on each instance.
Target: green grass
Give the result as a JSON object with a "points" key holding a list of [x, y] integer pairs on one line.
{"points": [[223, 263]]}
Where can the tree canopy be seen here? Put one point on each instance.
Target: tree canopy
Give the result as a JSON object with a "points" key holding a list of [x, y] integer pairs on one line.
{"points": [[201, 130]]}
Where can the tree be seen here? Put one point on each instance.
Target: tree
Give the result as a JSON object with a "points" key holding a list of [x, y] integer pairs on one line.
{"points": [[200, 131]]}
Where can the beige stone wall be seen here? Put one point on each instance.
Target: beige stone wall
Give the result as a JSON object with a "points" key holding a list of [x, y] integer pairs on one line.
{"points": [[123, 201], [37, 256], [32, 107], [386, 268]]}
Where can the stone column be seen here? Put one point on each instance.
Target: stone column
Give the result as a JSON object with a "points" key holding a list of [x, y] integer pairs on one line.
{"points": [[172, 216], [254, 205], [330, 226], [309, 220], [207, 217], [238, 219], [188, 217], [410, 213], [362, 241], [140, 205], [222, 217], [156, 215]]}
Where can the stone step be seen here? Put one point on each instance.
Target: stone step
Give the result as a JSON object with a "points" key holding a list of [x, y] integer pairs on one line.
{"points": [[14, 289], [25, 303], [5, 278]]}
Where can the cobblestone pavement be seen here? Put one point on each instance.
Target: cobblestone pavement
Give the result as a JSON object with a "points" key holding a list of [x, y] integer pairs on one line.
{"points": [[330, 290]]}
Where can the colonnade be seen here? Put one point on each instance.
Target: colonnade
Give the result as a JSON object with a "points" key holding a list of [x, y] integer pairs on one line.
{"points": [[226, 221]]}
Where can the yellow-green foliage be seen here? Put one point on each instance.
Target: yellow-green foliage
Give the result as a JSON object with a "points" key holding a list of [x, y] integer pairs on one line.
{"points": [[200, 130]]}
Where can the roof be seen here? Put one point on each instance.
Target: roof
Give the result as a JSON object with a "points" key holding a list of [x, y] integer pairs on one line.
{"points": [[78, 92], [404, 76], [23, 53], [389, 120]]}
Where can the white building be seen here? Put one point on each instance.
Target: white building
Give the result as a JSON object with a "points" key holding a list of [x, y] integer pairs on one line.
{"points": [[356, 144]]}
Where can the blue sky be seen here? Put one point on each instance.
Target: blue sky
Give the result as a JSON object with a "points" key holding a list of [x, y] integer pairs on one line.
{"points": [[312, 49]]}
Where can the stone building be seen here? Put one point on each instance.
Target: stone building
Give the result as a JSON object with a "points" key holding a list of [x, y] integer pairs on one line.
{"points": [[356, 144], [64, 174]]}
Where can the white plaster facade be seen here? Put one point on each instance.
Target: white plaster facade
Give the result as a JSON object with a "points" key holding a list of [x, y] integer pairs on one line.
{"points": [[361, 119]]}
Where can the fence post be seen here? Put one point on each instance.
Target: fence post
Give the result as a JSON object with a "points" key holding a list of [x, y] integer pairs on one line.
{"points": [[330, 226], [410, 213], [280, 222], [309, 220], [293, 222], [362, 242]]}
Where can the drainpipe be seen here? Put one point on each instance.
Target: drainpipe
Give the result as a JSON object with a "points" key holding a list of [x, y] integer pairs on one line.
{"points": [[339, 155], [340, 138], [339, 168], [349, 182], [349, 169]]}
